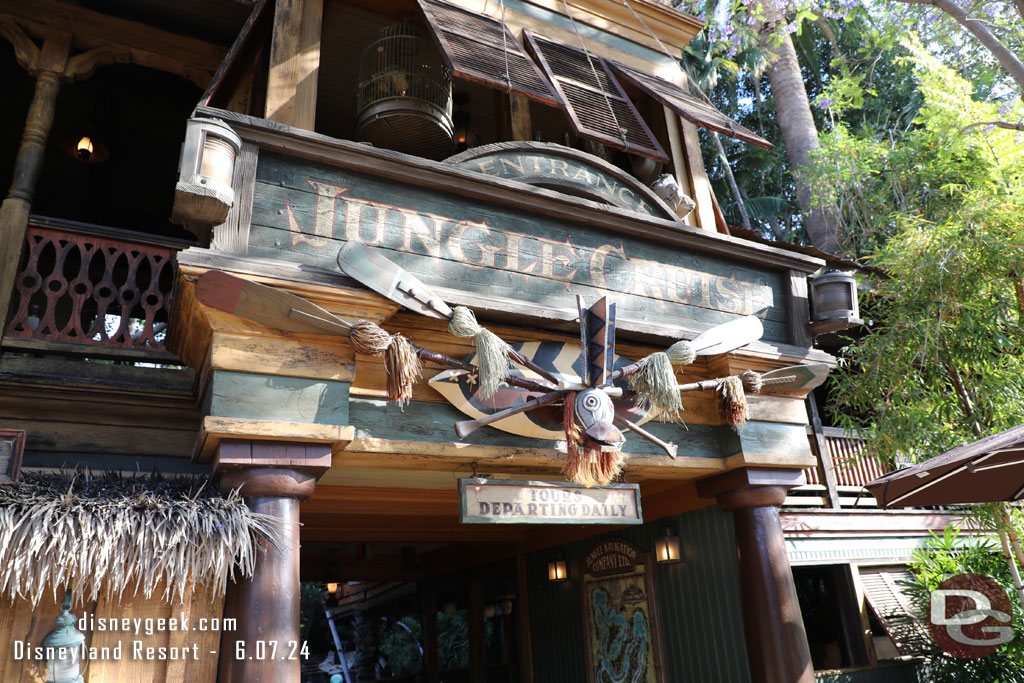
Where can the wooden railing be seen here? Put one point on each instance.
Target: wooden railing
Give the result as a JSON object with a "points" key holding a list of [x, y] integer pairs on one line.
{"points": [[851, 465], [844, 467], [102, 290]]}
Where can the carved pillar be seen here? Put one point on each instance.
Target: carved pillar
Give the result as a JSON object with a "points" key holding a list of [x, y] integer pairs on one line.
{"points": [[274, 477], [776, 640], [48, 67]]}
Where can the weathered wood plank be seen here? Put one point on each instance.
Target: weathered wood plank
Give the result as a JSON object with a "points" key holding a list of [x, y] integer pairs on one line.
{"points": [[257, 396], [699, 182], [112, 439], [214, 429], [294, 62], [232, 236]]}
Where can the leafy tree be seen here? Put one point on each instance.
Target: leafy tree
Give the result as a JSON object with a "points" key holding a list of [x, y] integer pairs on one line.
{"points": [[943, 362]]}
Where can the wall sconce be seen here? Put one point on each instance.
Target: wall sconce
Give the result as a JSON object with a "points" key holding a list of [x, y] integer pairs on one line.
{"points": [[557, 570], [203, 194], [332, 587], [86, 148], [64, 665], [834, 307], [666, 548]]}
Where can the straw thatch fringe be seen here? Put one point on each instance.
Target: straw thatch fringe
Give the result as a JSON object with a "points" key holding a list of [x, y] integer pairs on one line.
{"points": [[112, 532]]}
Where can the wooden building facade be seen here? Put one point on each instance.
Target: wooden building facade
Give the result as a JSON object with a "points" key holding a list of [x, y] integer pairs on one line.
{"points": [[510, 157]]}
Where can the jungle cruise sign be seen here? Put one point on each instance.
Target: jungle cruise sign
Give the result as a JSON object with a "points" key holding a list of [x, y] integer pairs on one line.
{"points": [[303, 212], [498, 501]]}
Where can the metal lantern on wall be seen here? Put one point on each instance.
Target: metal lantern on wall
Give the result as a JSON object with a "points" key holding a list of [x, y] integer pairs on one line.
{"points": [[834, 305], [203, 194], [666, 548], [63, 646], [405, 94], [557, 569]]}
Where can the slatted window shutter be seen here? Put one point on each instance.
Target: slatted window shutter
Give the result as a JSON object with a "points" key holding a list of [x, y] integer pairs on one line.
{"points": [[691, 108], [474, 47], [595, 102], [892, 607]]}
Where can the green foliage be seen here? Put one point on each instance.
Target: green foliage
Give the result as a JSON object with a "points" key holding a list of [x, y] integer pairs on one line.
{"points": [[942, 206], [453, 640], [399, 641], [945, 556]]}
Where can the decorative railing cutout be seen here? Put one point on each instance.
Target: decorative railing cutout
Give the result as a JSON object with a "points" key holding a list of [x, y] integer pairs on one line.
{"points": [[84, 289]]}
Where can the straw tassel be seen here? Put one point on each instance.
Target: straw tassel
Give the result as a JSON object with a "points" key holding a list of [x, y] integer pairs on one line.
{"points": [[400, 358], [403, 369], [586, 466], [732, 403], [491, 351], [656, 385]]}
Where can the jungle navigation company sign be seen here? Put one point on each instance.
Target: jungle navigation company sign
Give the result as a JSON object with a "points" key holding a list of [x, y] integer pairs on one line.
{"points": [[970, 616], [497, 501]]}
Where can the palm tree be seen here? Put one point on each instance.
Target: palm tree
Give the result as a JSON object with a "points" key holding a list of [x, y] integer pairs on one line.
{"points": [[793, 110]]}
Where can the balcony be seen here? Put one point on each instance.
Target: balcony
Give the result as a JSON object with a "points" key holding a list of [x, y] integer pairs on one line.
{"points": [[93, 291], [851, 467]]}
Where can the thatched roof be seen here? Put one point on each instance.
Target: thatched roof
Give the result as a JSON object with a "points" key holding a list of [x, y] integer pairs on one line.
{"points": [[110, 533]]}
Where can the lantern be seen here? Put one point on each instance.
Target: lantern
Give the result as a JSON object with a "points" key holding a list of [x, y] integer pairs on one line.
{"points": [[557, 570], [63, 647], [203, 195], [666, 548], [833, 296]]}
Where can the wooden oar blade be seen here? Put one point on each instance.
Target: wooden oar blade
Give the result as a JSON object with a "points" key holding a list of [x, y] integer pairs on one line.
{"points": [[266, 305], [728, 336], [375, 271], [795, 377]]}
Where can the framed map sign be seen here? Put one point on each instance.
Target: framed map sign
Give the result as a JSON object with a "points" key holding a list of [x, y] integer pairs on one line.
{"points": [[500, 501], [620, 615]]}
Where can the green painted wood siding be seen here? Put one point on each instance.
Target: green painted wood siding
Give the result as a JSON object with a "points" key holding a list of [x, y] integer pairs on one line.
{"points": [[698, 605]]}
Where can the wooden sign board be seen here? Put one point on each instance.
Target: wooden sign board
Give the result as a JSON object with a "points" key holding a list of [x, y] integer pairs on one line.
{"points": [[304, 212], [620, 615], [497, 501]]}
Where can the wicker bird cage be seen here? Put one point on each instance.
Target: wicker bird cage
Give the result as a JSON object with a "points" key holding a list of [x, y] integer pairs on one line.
{"points": [[405, 94]]}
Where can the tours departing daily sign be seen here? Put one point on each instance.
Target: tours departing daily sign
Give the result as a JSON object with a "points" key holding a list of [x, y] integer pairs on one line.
{"points": [[500, 501]]}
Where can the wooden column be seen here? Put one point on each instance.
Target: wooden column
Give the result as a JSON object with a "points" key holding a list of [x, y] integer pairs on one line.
{"points": [[15, 210], [294, 63], [523, 617], [274, 478], [429, 616], [477, 644], [776, 640]]}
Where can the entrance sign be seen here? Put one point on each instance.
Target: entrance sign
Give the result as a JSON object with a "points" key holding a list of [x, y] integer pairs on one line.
{"points": [[498, 501], [566, 170]]}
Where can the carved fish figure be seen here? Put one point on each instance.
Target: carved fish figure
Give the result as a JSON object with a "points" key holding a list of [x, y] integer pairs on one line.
{"points": [[595, 415]]}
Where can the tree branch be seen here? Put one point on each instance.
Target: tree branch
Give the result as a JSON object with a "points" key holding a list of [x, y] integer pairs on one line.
{"points": [[997, 124], [1007, 58], [1020, 7]]}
